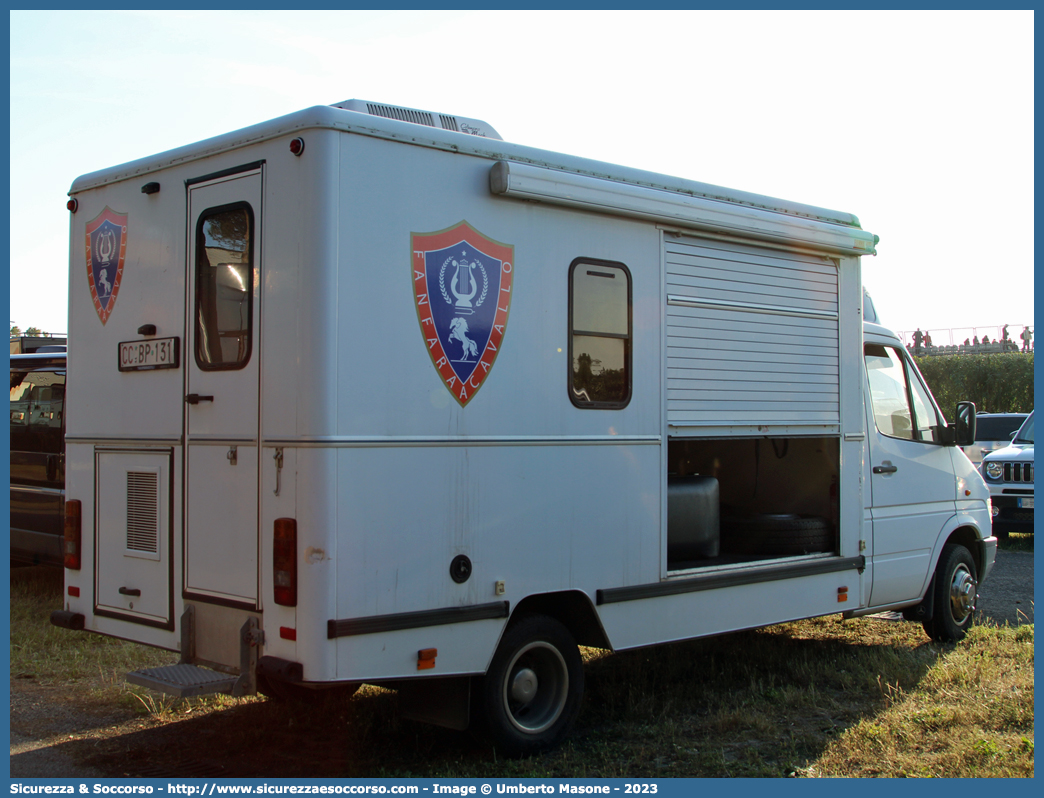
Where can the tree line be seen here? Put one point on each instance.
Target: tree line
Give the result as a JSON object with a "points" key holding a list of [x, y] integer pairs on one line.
{"points": [[17, 331], [1000, 383]]}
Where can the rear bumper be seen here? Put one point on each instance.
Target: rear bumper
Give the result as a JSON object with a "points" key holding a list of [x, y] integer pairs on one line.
{"points": [[68, 620]]}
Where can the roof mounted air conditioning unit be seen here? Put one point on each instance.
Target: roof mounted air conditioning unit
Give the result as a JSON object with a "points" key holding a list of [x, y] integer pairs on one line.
{"points": [[458, 124]]}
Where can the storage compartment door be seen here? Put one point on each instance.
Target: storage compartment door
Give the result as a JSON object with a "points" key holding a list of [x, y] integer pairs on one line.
{"points": [[133, 536]]}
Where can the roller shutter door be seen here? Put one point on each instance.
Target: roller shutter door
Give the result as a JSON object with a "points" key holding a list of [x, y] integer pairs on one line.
{"points": [[752, 336]]}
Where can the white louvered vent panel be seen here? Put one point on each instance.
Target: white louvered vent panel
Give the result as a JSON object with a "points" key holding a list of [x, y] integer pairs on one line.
{"points": [[402, 114], [143, 512], [752, 336]]}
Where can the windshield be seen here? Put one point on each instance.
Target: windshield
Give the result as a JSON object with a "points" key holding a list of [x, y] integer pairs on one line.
{"points": [[1025, 431], [997, 428]]}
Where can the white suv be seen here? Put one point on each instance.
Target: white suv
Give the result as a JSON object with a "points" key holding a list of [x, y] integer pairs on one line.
{"points": [[1009, 474], [993, 431]]}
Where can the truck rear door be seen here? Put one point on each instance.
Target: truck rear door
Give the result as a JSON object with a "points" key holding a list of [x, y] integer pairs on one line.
{"points": [[221, 403]]}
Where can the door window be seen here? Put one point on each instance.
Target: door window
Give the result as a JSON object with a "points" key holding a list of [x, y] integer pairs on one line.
{"points": [[902, 406], [224, 287]]}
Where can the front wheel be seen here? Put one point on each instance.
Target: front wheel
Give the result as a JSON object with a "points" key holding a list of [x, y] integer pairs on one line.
{"points": [[531, 694], [956, 590]]}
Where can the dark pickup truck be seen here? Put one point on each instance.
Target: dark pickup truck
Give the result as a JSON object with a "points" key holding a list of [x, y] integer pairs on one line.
{"points": [[37, 458]]}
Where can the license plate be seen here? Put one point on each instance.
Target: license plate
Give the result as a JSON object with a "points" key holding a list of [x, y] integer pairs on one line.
{"points": [[1026, 504], [158, 353]]}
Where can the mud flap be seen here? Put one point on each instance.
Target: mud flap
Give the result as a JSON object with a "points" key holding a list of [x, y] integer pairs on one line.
{"points": [[250, 639], [926, 609], [441, 702]]}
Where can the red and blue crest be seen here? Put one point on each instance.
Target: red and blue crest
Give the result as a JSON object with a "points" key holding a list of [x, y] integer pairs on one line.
{"points": [[106, 251], [462, 290]]}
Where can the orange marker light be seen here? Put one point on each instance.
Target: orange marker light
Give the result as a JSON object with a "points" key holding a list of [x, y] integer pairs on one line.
{"points": [[842, 594], [426, 658]]}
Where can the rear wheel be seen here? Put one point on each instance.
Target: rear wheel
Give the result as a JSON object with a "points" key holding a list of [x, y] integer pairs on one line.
{"points": [[531, 694], [956, 591]]}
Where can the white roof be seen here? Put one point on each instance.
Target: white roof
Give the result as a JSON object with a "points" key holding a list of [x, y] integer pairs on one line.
{"points": [[333, 118]]}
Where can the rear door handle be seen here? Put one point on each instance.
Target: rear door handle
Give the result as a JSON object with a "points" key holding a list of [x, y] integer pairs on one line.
{"points": [[130, 591], [195, 398], [889, 469]]}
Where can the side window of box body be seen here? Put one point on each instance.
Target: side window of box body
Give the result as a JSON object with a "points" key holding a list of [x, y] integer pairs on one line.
{"points": [[600, 334]]}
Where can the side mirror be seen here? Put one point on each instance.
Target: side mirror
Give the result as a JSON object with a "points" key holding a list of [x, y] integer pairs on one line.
{"points": [[964, 424]]}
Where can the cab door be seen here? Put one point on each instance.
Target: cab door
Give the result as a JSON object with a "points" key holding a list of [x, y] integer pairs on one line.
{"points": [[912, 485], [222, 385]]}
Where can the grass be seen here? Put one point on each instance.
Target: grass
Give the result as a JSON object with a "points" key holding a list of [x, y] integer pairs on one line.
{"points": [[817, 698], [971, 713], [47, 655]]}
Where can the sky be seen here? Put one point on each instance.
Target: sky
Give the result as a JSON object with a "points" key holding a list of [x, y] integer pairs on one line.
{"points": [[919, 123]]}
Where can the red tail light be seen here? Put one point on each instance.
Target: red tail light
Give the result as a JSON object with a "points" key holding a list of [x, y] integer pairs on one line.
{"points": [[72, 535], [284, 562]]}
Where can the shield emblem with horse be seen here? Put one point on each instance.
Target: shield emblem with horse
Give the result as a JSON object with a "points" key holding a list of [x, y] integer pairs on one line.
{"points": [[462, 290], [106, 252]]}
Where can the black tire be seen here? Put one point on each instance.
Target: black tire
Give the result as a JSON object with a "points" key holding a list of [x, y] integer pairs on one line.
{"points": [[785, 534], [531, 694], [956, 592]]}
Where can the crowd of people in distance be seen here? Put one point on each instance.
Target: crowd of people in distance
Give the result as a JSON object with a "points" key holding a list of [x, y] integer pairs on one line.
{"points": [[922, 343]]}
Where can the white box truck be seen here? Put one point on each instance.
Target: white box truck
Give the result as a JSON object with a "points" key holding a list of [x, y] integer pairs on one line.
{"points": [[365, 394]]}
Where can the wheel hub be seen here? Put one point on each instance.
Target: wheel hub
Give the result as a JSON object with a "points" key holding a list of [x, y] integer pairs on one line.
{"points": [[524, 686], [962, 594], [536, 687]]}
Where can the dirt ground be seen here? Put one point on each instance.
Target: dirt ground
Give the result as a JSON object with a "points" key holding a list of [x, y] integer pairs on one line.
{"points": [[56, 733]]}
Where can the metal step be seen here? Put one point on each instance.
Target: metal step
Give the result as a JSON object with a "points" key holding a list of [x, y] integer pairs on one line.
{"points": [[183, 680]]}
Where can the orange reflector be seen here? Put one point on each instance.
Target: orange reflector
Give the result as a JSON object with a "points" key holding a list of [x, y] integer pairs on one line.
{"points": [[842, 594], [74, 591], [287, 633], [426, 658]]}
